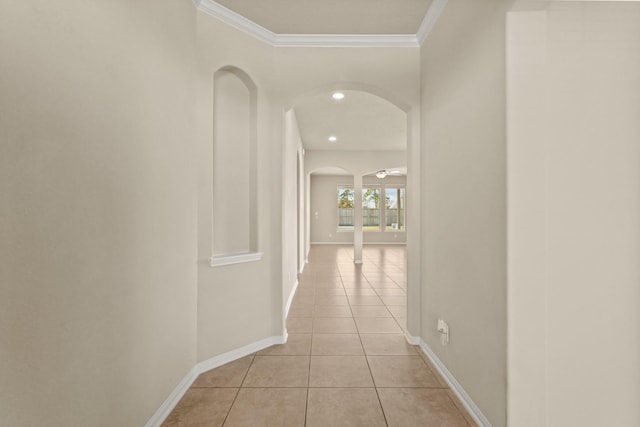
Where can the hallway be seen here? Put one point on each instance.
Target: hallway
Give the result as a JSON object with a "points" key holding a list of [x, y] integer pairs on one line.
{"points": [[346, 362]]}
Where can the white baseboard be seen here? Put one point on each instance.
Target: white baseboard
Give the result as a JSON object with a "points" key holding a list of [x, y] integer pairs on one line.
{"points": [[455, 386], [236, 354], [167, 406], [411, 339], [290, 299]]}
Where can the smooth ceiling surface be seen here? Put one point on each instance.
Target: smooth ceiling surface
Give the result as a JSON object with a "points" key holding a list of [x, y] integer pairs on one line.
{"points": [[333, 16], [360, 122]]}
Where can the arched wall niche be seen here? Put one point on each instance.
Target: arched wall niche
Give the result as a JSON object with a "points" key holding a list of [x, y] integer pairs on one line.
{"points": [[234, 213]]}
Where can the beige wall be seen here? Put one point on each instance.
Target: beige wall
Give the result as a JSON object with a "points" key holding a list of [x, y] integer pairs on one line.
{"points": [[97, 210], [574, 215], [239, 304], [463, 209]]}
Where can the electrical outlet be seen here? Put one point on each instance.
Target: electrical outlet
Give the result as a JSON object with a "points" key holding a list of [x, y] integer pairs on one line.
{"points": [[443, 330]]}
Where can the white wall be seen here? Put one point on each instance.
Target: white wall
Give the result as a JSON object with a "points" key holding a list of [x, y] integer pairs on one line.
{"points": [[464, 189], [574, 215], [97, 210], [324, 226]]}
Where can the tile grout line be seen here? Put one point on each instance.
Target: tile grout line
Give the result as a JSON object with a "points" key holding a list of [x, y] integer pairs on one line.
{"points": [[371, 373], [313, 321], [306, 402], [367, 358], [375, 387], [458, 409], [235, 398]]}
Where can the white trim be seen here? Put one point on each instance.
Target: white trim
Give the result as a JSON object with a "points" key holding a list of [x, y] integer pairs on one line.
{"points": [[290, 299], [455, 386], [236, 21], [253, 29], [430, 20], [236, 354], [220, 260], [411, 339], [170, 403], [167, 406]]}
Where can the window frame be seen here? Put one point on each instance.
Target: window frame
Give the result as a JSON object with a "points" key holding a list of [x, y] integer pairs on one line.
{"points": [[344, 228], [382, 216], [404, 209], [378, 187]]}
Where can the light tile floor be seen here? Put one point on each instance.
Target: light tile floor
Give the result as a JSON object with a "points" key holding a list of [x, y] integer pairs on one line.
{"points": [[346, 362]]}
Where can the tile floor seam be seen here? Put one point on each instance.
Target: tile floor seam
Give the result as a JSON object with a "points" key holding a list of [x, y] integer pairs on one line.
{"points": [[306, 404], [253, 358], [456, 406], [374, 381]]}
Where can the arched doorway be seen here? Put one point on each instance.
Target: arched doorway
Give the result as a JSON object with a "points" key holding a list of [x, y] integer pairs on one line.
{"points": [[346, 141]]}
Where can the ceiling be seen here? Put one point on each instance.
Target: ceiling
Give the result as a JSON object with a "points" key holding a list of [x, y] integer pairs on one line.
{"points": [[333, 16], [360, 121]]}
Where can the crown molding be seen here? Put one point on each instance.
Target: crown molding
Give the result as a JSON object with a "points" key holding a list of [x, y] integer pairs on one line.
{"points": [[249, 27], [430, 19], [236, 20]]}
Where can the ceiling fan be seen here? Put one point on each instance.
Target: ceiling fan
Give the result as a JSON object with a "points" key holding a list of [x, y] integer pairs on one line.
{"points": [[384, 172]]}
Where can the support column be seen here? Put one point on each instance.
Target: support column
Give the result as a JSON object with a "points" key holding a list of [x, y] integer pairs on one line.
{"points": [[357, 219]]}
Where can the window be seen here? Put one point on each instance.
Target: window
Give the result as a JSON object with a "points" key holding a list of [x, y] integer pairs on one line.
{"points": [[376, 216], [394, 209], [346, 197], [371, 209]]}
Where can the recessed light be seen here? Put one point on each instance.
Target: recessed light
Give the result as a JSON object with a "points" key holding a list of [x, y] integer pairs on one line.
{"points": [[337, 95], [332, 138]]}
